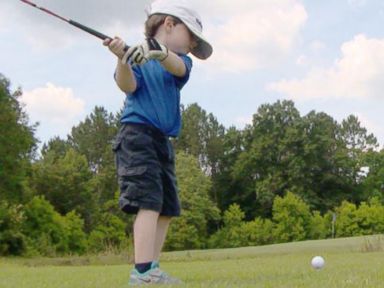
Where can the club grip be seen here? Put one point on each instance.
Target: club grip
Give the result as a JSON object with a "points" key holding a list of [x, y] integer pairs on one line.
{"points": [[89, 30]]}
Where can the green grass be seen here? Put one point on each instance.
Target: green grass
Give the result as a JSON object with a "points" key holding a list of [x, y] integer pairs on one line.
{"points": [[351, 262]]}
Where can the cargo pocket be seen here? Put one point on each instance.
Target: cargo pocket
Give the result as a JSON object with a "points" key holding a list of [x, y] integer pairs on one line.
{"points": [[132, 182], [171, 152], [116, 143]]}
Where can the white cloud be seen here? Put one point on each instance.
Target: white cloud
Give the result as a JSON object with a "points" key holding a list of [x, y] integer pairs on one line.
{"points": [[317, 46], [313, 57], [249, 35], [302, 60], [56, 108], [357, 3], [357, 74], [4, 10]]}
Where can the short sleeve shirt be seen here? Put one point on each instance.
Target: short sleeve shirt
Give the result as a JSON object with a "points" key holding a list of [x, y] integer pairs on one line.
{"points": [[156, 100]]}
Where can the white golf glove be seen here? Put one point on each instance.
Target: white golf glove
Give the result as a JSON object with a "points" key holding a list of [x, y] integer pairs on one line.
{"points": [[141, 54], [155, 50]]}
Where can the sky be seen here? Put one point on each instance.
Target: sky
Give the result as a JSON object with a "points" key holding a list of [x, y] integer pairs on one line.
{"points": [[326, 56]]}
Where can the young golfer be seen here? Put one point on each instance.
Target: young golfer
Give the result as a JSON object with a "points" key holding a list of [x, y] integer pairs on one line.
{"points": [[152, 75]]}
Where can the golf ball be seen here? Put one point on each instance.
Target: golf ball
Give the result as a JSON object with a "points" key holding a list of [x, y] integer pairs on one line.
{"points": [[317, 262]]}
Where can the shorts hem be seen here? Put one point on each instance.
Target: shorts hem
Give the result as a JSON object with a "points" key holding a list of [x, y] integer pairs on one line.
{"points": [[134, 208]]}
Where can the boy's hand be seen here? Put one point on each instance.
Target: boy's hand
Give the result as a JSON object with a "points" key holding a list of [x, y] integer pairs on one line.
{"points": [[150, 49], [135, 55], [116, 45], [155, 50]]}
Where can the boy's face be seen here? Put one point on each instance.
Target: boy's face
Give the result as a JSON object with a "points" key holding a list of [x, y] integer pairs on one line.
{"points": [[180, 39]]}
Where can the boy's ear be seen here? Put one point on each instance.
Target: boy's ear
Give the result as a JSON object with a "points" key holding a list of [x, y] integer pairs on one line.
{"points": [[168, 22]]}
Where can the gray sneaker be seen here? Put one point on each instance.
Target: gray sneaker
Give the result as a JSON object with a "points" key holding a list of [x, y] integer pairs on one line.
{"points": [[153, 276]]}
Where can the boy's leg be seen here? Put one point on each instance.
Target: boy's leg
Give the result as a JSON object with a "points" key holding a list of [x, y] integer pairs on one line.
{"points": [[171, 204], [161, 233], [145, 229]]}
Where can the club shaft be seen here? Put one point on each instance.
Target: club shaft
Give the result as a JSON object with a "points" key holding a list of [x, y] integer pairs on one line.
{"points": [[44, 10]]}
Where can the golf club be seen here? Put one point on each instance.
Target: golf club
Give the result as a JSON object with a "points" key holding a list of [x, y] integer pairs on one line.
{"points": [[74, 23]]}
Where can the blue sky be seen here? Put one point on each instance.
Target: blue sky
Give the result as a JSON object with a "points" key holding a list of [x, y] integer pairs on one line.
{"points": [[325, 55]]}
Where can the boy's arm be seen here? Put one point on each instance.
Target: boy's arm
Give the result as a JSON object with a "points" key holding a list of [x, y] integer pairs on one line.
{"points": [[152, 49], [124, 76], [174, 64]]}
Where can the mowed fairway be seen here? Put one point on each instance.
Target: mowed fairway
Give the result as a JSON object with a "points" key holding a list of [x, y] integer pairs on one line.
{"points": [[351, 262]]}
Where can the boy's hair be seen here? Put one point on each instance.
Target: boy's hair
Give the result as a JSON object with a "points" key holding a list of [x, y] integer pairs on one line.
{"points": [[155, 21]]}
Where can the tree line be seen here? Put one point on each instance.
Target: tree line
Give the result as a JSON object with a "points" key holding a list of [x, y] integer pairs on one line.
{"points": [[284, 177]]}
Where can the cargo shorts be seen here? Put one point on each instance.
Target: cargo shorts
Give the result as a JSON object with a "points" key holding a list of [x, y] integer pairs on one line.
{"points": [[145, 163]]}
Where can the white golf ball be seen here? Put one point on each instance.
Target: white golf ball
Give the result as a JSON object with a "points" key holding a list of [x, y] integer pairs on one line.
{"points": [[317, 262]]}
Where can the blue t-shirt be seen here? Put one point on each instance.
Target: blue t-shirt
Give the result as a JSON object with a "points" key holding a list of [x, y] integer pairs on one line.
{"points": [[156, 100]]}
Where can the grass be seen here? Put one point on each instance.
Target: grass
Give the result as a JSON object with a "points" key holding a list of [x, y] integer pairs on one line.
{"points": [[350, 262]]}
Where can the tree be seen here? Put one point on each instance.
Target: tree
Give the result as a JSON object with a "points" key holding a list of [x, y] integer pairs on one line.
{"points": [[319, 227], [323, 176], [367, 219], [201, 136], [92, 138], [45, 228], [238, 233], [306, 155], [112, 228], [267, 167], [190, 230], [224, 187], [77, 239], [231, 234], [55, 146], [373, 184], [357, 142], [108, 233], [292, 217], [66, 183], [370, 217], [17, 144], [12, 240], [347, 224]]}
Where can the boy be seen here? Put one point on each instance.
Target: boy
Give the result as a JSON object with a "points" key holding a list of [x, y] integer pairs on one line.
{"points": [[152, 75]]}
